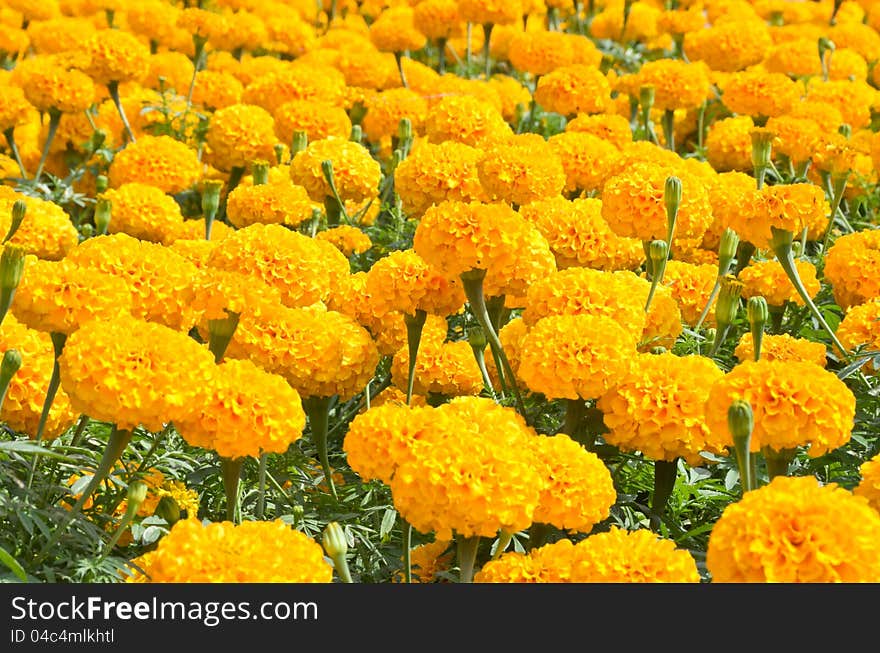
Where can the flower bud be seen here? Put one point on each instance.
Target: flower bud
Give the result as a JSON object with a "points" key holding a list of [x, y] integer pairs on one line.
{"points": [[220, 333], [727, 251], [278, 148], [137, 492], [672, 198], [762, 142], [327, 169], [11, 266], [102, 216], [646, 97], [404, 135], [758, 313], [728, 300], [334, 540], [260, 172], [19, 209], [168, 509], [299, 142], [102, 183], [741, 422], [357, 133], [477, 338], [10, 364], [210, 203], [658, 251]]}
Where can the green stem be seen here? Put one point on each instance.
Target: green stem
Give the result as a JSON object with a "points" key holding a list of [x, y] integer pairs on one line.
{"points": [[665, 473], [113, 89], [778, 462], [398, 57], [744, 462], [407, 551], [480, 357], [467, 50], [777, 314], [467, 557], [9, 134], [744, 252], [839, 187], [705, 313], [54, 121], [58, 340], [668, 129], [441, 56], [235, 176], [119, 439], [261, 486], [781, 244], [317, 409], [230, 470], [487, 31], [414, 325], [80, 430]]}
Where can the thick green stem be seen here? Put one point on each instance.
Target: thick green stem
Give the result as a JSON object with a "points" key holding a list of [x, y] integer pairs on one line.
{"points": [[480, 357], [467, 557], [668, 129], [113, 89], [778, 462], [487, 31], [398, 56], [230, 470], [235, 176], [54, 121], [665, 472], [407, 551], [58, 340], [441, 56], [781, 243], [712, 296], [744, 463], [838, 188], [119, 439], [80, 430], [261, 487], [414, 325], [317, 409], [9, 134]]}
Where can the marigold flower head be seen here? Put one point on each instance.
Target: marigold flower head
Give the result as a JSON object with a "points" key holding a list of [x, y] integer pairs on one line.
{"points": [[729, 144], [356, 173], [445, 368], [466, 119], [609, 127], [387, 108], [759, 93], [767, 279], [146, 374], [474, 479], [579, 492], [522, 170], [14, 108], [23, 403], [394, 30], [317, 82], [513, 94], [60, 34], [319, 120], [116, 56], [851, 266], [796, 138], [575, 356], [789, 207], [280, 203], [347, 239], [250, 552], [437, 19], [48, 85], [403, 281], [540, 52], [586, 159], [794, 404], [248, 412], [853, 98], [784, 347], [239, 134], [59, 296], [658, 408], [303, 269], [46, 231], [429, 560], [641, 24], [691, 285], [215, 89], [495, 12], [860, 327], [729, 46], [143, 211], [858, 36], [157, 278], [677, 84], [795, 530], [869, 485], [633, 204]]}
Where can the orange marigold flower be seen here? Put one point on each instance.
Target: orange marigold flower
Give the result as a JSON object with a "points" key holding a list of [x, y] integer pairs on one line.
{"points": [[729, 46], [403, 281], [347, 239], [239, 134], [320, 83], [691, 284], [795, 404], [60, 34], [609, 127], [795, 530], [796, 138], [759, 93], [170, 71], [658, 408], [394, 30], [387, 108], [540, 52], [641, 25], [853, 98], [574, 89], [782, 346], [869, 485], [437, 19], [495, 12], [14, 108], [851, 266], [250, 552], [278, 203], [729, 144], [319, 120], [860, 327], [586, 159], [215, 89], [767, 279], [46, 231], [790, 207], [677, 84], [144, 211], [356, 173], [466, 119], [50, 86], [446, 368], [159, 161], [116, 56], [522, 170]]}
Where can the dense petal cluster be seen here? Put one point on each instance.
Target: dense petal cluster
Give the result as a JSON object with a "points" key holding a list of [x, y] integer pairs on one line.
{"points": [[159, 161], [356, 174]]}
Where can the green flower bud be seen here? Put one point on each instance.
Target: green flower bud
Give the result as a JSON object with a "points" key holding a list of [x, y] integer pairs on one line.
{"points": [[741, 422], [19, 209], [334, 540], [137, 493], [758, 313], [10, 364], [299, 142], [220, 333], [102, 183], [646, 97], [672, 198], [659, 349], [260, 172], [762, 142], [477, 338], [278, 148], [102, 216], [727, 251], [168, 510], [211, 197], [357, 133], [11, 266], [327, 169], [728, 300], [658, 251]]}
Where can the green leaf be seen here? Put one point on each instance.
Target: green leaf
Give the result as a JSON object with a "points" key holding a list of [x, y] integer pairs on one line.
{"points": [[19, 446], [388, 520], [7, 559]]}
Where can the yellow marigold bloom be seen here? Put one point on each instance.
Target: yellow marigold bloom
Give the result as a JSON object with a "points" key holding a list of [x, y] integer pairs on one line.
{"points": [[319, 120], [796, 138], [387, 108], [522, 170], [862, 38], [159, 161], [129, 383], [578, 492], [794, 403], [394, 30], [633, 204], [250, 552], [239, 134], [860, 326], [726, 195], [215, 89], [677, 84], [14, 107], [50, 86], [869, 486], [767, 279], [586, 159], [853, 98], [609, 127], [321, 83], [291, 34], [216, 293], [195, 228], [851, 267], [691, 284], [356, 173], [575, 356], [729, 144], [246, 31], [248, 412], [574, 89], [434, 173], [206, 24], [663, 321], [279, 203], [194, 250], [579, 236], [46, 231], [60, 296], [513, 94], [682, 21], [540, 52], [170, 70], [615, 556], [143, 211], [116, 56], [495, 12], [403, 281], [428, 560], [731, 46], [798, 57], [158, 279], [466, 119], [304, 270], [437, 19], [759, 93], [796, 530], [640, 26], [658, 408], [347, 239], [784, 347], [320, 353], [476, 478], [790, 207], [23, 404], [446, 368], [61, 34]]}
